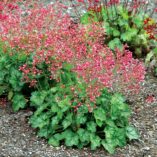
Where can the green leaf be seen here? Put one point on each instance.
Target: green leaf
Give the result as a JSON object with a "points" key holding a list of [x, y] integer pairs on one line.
{"points": [[2, 89], [115, 32], [104, 99], [155, 51], [109, 146], [123, 12], [10, 95], [4, 62], [53, 90], [104, 14], [89, 17], [121, 140], [91, 126], [95, 141], [55, 108], [99, 122], [123, 23], [125, 15], [41, 108], [65, 78], [117, 98], [60, 114], [125, 36], [120, 111], [39, 121], [100, 114], [80, 118], [85, 19], [54, 121], [16, 80], [37, 98], [83, 109], [68, 120], [118, 108], [129, 34], [132, 133], [2, 76], [58, 136], [116, 135], [22, 57], [72, 141], [54, 142], [67, 66], [71, 138], [19, 101], [44, 132], [110, 122], [143, 38], [138, 21], [84, 135], [107, 27], [115, 43], [64, 104]]}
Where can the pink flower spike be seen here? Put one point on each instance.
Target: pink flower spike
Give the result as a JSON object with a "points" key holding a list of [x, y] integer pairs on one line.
{"points": [[81, 1]]}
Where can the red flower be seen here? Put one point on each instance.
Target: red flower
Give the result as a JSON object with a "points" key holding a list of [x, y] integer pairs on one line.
{"points": [[150, 99], [3, 17], [81, 1], [1, 7], [12, 6]]}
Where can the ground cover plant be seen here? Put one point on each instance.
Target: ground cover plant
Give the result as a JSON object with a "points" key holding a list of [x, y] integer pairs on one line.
{"points": [[68, 75]]}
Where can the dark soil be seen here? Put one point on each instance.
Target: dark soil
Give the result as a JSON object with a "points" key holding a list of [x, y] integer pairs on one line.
{"points": [[18, 139]]}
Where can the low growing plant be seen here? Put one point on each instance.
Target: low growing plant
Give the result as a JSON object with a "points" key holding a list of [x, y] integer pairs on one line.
{"points": [[69, 77], [63, 111], [66, 116]]}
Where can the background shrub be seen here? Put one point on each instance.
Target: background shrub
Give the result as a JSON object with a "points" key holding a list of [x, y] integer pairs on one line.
{"points": [[126, 22]]}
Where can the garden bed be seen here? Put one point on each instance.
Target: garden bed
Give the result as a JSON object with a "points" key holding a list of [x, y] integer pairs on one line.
{"points": [[17, 138]]}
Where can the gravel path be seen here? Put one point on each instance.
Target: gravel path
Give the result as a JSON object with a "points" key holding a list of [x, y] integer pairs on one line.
{"points": [[18, 139]]}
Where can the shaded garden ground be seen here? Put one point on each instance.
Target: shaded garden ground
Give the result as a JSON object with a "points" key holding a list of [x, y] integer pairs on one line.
{"points": [[18, 139]]}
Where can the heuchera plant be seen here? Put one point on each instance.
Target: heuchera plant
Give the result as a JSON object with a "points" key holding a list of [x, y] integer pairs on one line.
{"points": [[125, 22], [68, 67], [63, 111]]}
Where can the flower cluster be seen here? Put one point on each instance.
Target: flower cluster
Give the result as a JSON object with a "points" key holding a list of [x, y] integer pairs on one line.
{"points": [[52, 38], [6, 6], [151, 28]]}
